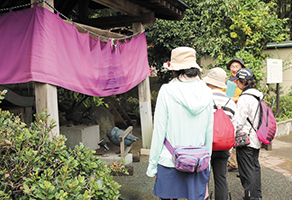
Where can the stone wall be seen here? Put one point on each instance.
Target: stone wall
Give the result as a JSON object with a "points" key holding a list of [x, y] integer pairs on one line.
{"points": [[284, 128]]}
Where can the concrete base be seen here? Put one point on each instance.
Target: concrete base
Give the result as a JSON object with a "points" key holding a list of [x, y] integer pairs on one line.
{"points": [[88, 135], [284, 128], [145, 152], [268, 147], [116, 158]]}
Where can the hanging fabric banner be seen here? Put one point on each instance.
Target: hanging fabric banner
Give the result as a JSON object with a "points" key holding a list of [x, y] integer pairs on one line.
{"points": [[37, 45]]}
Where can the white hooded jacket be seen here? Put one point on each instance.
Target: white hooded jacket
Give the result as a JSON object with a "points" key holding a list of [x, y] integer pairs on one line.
{"points": [[184, 115]]}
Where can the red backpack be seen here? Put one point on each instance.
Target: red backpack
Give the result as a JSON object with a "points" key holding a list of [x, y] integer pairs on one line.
{"points": [[223, 129], [267, 127]]}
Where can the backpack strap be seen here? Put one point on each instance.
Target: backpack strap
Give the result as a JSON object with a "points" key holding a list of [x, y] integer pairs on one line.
{"points": [[228, 109], [224, 107], [251, 124], [231, 79], [227, 102], [215, 105], [258, 98]]}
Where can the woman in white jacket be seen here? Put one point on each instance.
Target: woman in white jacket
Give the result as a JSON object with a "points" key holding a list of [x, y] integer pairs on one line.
{"points": [[247, 157]]}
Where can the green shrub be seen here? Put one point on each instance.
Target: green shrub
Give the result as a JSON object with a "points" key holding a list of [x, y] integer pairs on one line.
{"points": [[132, 106], [33, 166], [285, 102], [285, 111]]}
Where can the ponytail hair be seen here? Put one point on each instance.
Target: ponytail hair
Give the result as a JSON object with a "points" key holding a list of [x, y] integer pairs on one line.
{"points": [[248, 83], [192, 72]]}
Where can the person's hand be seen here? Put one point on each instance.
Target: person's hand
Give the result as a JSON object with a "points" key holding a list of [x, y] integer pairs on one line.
{"points": [[234, 99], [153, 176]]}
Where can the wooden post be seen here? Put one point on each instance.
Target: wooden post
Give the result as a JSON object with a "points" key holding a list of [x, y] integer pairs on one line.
{"points": [[145, 106], [278, 99], [46, 94], [46, 97], [122, 137]]}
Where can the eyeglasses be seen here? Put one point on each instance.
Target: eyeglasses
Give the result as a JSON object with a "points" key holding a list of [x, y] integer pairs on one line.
{"points": [[236, 66]]}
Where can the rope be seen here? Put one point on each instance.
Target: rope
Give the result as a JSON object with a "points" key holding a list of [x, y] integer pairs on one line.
{"points": [[29, 4]]}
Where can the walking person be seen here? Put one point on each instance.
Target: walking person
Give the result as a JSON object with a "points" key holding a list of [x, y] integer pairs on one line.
{"points": [[248, 156], [234, 65], [183, 115], [215, 79]]}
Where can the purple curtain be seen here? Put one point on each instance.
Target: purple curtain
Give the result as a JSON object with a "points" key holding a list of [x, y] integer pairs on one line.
{"points": [[37, 45]]}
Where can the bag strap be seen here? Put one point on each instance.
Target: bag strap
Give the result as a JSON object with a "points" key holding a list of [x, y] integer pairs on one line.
{"points": [[251, 124], [215, 105], [169, 146], [227, 102], [231, 79], [224, 107], [228, 109], [258, 98]]}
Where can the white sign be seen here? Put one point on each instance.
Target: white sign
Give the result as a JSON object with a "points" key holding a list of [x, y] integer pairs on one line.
{"points": [[274, 71]]}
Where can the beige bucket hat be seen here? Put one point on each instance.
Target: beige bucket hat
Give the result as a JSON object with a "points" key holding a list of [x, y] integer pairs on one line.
{"points": [[216, 77], [182, 58]]}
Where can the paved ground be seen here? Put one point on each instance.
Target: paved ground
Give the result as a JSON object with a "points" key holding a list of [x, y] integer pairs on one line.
{"points": [[276, 174]]}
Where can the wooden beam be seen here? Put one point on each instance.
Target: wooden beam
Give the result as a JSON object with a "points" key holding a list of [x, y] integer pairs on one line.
{"points": [[43, 4], [46, 94], [83, 9], [66, 6], [144, 104], [122, 141], [123, 6], [120, 21], [16, 99], [97, 31], [145, 112], [47, 98]]}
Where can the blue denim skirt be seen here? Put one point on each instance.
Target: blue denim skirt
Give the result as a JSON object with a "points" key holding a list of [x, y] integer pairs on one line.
{"points": [[171, 183]]}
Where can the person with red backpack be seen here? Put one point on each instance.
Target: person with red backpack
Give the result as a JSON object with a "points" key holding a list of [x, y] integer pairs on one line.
{"points": [[248, 156], [215, 79]]}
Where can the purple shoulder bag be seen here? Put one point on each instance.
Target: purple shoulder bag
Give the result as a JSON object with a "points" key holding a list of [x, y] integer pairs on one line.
{"points": [[189, 158]]}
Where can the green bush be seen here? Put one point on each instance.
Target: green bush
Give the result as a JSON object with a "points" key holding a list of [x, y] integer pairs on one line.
{"points": [[33, 166], [285, 102], [285, 111], [132, 106]]}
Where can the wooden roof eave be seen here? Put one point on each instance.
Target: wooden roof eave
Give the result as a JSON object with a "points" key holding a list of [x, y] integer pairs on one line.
{"points": [[164, 9], [117, 21]]}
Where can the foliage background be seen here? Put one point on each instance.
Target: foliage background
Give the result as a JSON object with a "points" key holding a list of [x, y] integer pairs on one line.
{"points": [[35, 166], [220, 30]]}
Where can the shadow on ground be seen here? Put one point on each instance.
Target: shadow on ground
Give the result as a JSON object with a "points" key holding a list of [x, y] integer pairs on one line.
{"points": [[276, 179]]}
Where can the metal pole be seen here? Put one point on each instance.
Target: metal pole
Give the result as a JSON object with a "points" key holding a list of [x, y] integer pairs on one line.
{"points": [[278, 100]]}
